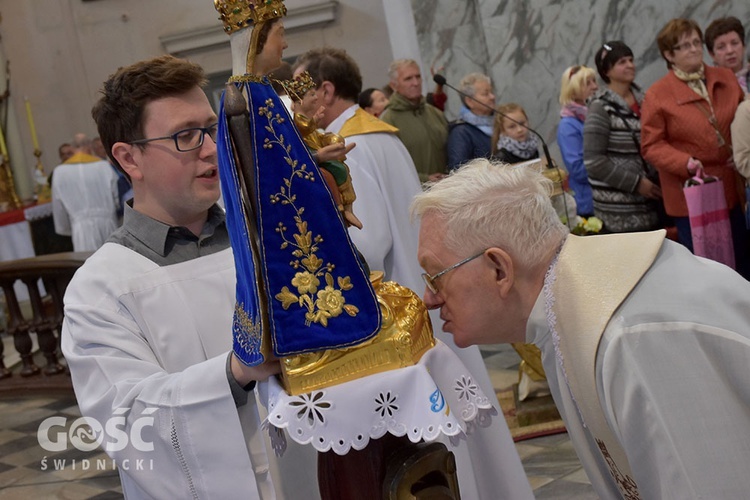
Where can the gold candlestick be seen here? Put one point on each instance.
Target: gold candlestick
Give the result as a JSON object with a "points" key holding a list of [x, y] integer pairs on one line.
{"points": [[8, 197], [41, 188], [32, 127]]}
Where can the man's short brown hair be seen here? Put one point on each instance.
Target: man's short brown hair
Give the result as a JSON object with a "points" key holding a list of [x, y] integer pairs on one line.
{"points": [[119, 112], [335, 66]]}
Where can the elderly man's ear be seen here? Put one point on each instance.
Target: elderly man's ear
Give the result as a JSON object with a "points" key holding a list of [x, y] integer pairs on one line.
{"points": [[503, 270]]}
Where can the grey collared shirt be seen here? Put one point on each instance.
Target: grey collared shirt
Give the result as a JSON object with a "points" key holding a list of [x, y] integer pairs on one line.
{"points": [[167, 245]]}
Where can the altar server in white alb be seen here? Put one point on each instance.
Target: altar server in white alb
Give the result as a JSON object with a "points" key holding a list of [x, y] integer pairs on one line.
{"points": [[385, 180], [646, 347], [84, 197], [148, 318]]}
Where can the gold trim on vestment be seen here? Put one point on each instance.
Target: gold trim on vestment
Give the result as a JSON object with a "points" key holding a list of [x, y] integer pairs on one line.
{"points": [[364, 123], [593, 276]]}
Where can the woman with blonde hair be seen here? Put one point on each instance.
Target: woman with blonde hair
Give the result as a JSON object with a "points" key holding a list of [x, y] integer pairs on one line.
{"points": [[577, 84]]}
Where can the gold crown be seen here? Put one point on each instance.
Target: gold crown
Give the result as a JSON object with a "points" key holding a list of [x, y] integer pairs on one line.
{"points": [[299, 86], [239, 14]]}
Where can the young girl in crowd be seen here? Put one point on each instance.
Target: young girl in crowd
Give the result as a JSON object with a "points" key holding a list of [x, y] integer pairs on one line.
{"points": [[511, 140]]}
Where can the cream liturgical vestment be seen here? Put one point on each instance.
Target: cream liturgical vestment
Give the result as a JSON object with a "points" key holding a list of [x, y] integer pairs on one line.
{"points": [[150, 341], [386, 181], [667, 372], [84, 201]]}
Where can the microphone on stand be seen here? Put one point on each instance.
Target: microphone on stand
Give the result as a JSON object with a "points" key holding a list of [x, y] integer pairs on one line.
{"points": [[440, 80]]}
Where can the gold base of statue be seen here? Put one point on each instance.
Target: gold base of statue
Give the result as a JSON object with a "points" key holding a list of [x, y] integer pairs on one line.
{"points": [[405, 335]]}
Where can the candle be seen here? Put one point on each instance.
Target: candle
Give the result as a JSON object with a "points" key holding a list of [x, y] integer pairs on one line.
{"points": [[30, 117], [3, 148]]}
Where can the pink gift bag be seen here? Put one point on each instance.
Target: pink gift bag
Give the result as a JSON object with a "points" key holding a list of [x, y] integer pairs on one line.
{"points": [[709, 218]]}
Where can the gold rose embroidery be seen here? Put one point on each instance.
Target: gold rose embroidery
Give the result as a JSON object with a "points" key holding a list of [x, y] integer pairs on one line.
{"points": [[321, 304]]}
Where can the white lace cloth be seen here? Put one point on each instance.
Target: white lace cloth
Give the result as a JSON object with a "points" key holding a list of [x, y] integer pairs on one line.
{"points": [[39, 211], [436, 397]]}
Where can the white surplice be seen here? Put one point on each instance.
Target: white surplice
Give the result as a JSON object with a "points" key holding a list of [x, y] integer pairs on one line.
{"points": [[84, 202], [672, 372], [385, 181], [138, 337]]}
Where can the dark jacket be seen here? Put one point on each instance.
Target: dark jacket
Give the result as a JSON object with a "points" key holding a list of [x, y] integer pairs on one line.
{"points": [[466, 142]]}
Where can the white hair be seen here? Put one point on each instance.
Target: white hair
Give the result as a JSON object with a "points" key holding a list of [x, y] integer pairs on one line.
{"points": [[491, 204], [467, 83], [397, 65]]}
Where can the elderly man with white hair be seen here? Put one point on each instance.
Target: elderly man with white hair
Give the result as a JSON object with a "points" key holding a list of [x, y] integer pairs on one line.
{"points": [[648, 370]]}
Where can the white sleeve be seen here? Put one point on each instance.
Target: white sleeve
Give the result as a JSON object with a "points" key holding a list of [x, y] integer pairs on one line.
{"points": [[677, 396], [375, 240], [182, 420]]}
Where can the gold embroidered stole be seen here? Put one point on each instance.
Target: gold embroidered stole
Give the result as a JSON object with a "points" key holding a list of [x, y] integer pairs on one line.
{"points": [[83, 158], [594, 275], [364, 123]]}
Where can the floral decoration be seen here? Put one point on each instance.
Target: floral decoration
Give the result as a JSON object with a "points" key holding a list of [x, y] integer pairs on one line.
{"points": [[311, 407], [314, 286], [466, 388], [385, 403]]}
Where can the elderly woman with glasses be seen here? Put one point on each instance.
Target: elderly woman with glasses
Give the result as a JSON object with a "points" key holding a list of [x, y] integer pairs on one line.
{"points": [[686, 128], [624, 188]]}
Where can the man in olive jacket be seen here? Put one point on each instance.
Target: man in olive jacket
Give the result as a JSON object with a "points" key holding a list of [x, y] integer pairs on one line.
{"points": [[422, 127]]}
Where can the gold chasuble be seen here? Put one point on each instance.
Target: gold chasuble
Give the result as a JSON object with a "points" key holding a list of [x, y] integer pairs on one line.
{"points": [[364, 123]]}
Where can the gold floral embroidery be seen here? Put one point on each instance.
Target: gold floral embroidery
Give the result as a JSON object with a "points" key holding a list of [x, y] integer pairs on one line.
{"points": [[321, 303]]}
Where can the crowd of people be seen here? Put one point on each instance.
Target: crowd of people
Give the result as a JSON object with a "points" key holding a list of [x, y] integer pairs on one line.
{"points": [[627, 153]]}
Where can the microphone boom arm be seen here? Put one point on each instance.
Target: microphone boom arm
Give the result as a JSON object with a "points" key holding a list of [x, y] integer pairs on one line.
{"points": [[440, 80]]}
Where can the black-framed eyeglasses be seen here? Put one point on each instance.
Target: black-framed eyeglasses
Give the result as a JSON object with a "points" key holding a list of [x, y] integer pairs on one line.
{"points": [[429, 280], [187, 139]]}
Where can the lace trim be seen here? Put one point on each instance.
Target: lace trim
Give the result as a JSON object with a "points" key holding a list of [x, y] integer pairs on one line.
{"points": [[549, 303], [413, 402]]}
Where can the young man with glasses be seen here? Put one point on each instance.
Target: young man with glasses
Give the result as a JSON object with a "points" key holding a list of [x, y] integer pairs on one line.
{"points": [[148, 318]]}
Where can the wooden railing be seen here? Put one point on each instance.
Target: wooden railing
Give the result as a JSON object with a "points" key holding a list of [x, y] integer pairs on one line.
{"points": [[54, 272]]}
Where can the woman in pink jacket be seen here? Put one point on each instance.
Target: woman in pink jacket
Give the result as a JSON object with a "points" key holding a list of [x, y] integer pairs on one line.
{"points": [[685, 126]]}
